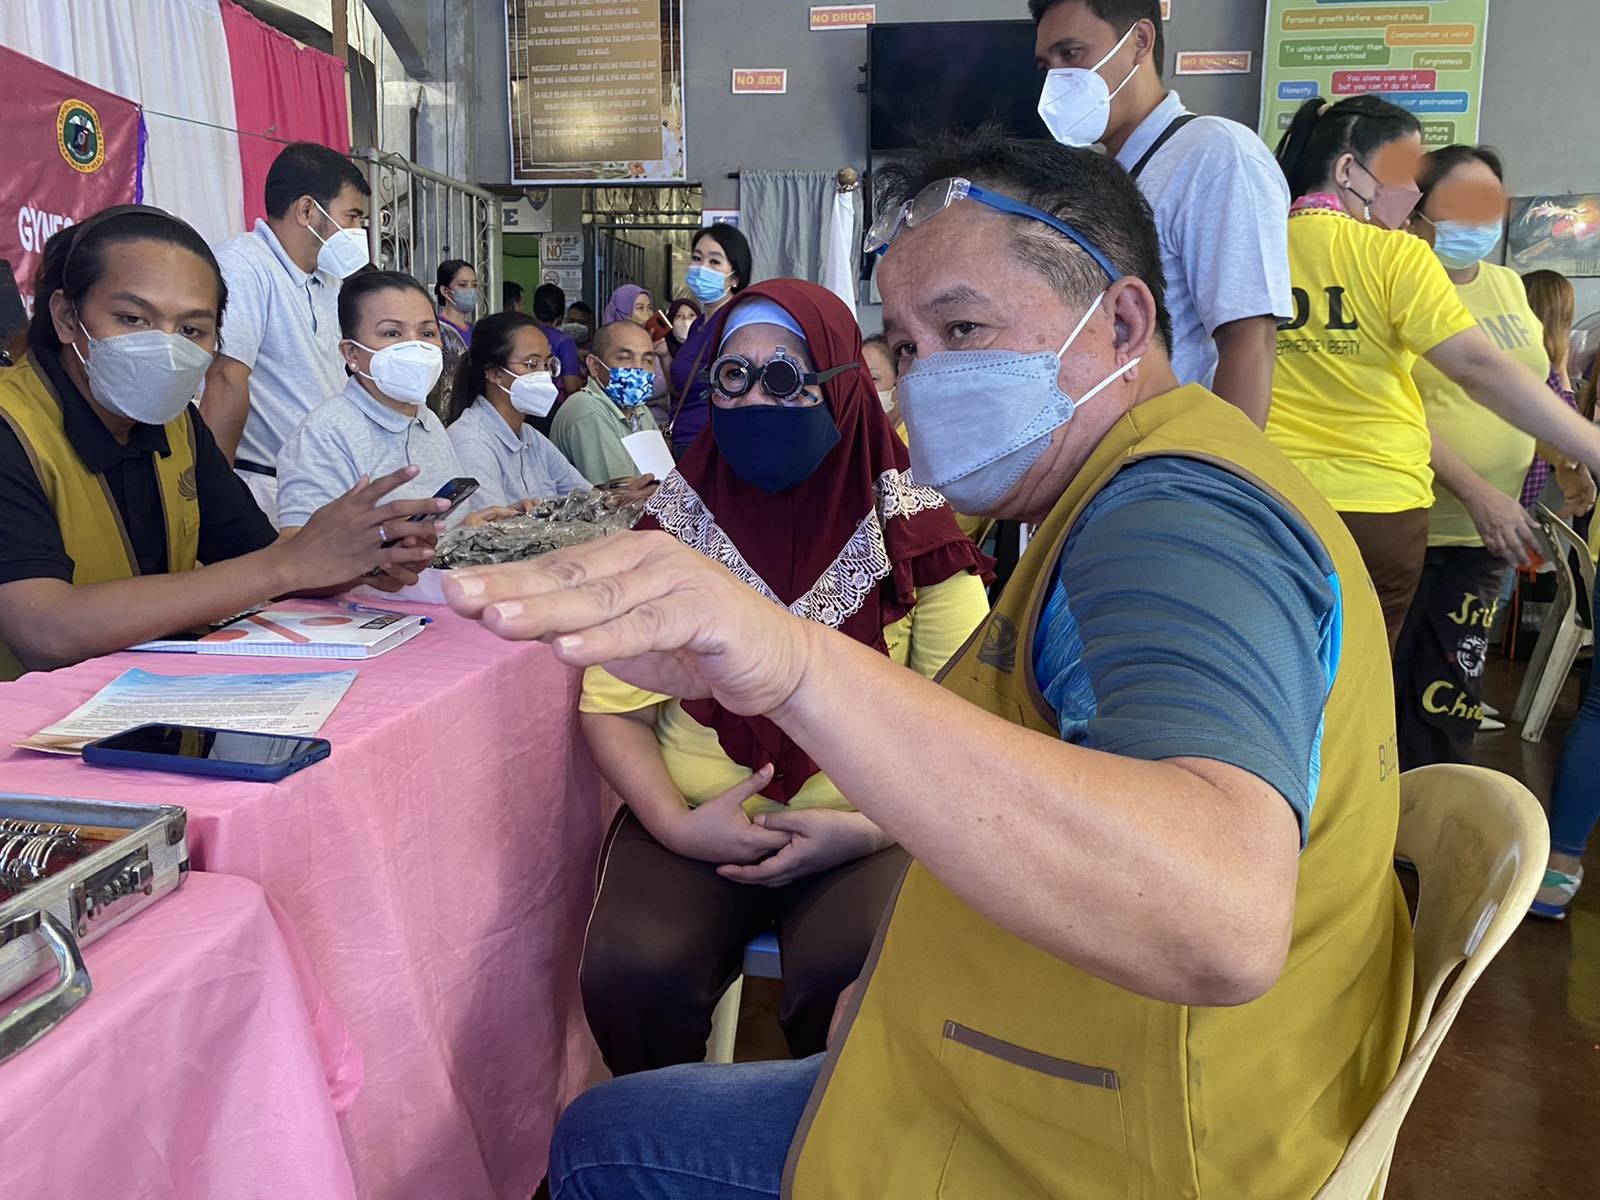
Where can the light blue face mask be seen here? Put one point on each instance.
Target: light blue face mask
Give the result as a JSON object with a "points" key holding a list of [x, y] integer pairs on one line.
{"points": [[706, 284], [979, 419], [1459, 244]]}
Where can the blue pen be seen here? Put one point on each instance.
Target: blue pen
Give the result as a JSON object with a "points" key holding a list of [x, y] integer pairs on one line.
{"points": [[352, 606]]}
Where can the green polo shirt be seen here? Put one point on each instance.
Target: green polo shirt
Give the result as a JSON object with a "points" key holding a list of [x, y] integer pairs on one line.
{"points": [[589, 429]]}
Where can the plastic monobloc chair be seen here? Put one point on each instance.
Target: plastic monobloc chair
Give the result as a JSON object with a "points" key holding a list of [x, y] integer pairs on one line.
{"points": [[1566, 628], [1479, 842], [761, 961]]}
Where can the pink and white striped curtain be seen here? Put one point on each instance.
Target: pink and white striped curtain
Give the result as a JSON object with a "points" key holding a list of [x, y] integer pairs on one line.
{"points": [[283, 92]]}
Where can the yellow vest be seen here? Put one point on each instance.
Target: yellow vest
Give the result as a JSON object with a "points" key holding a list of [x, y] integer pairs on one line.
{"points": [[91, 525], [980, 1068]]}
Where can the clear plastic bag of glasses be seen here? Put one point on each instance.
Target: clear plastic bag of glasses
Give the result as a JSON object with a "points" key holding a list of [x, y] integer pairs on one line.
{"points": [[70, 871], [549, 525]]}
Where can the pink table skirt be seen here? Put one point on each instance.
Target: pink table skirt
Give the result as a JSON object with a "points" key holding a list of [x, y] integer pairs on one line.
{"points": [[439, 868], [194, 1068]]}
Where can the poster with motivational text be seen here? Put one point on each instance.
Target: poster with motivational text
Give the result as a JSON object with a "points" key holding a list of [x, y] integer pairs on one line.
{"points": [[596, 91], [1425, 56]]}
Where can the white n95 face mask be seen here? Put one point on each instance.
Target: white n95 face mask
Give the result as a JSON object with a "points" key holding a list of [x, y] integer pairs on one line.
{"points": [[534, 394], [405, 372], [1076, 103], [148, 376], [343, 254]]}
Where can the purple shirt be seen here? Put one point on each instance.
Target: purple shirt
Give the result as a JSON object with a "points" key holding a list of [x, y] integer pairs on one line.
{"points": [[564, 349], [1539, 473], [693, 359]]}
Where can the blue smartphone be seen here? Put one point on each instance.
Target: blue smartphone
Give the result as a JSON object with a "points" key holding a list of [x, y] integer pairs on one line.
{"points": [[218, 753], [456, 492]]}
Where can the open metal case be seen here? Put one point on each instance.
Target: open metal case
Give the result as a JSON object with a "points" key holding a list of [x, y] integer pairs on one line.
{"points": [[44, 926]]}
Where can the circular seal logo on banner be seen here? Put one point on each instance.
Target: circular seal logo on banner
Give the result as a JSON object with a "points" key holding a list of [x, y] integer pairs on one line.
{"points": [[79, 137]]}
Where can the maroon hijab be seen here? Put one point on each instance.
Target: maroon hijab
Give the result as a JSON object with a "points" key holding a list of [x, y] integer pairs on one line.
{"points": [[858, 519]]}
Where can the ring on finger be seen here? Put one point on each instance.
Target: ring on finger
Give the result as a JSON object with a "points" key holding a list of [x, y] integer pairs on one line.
{"points": [[382, 536]]}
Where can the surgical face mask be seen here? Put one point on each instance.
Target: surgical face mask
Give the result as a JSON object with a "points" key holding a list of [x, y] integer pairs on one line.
{"points": [[682, 326], [774, 447], [629, 387], [147, 376], [1460, 244], [407, 372], [464, 299], [1390, 205], [980, 419], [343, 254], [887, 400], [534, 394], [706, 285], [1076, 103]]}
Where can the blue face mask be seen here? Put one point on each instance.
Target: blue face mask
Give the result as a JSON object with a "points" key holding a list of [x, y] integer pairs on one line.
{"points": [[979, 419], [1460, 244], [706, 285], [629, 387], [774, 447]]}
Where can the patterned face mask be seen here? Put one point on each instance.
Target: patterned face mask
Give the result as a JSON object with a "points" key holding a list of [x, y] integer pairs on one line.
{"points": [[629, 387]]}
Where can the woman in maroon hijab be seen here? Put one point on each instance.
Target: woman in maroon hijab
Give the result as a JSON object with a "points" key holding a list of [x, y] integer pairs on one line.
{"points": [[801, 489]]}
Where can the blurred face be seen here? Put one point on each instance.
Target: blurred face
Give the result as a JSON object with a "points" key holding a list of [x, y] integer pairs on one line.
{"points": [[708, 252], [759, 344], [955, 285], [627, 346], [881, 365], [529, 353], [1391, 169], [1470, 193], [388, 318], [1070, 35], [643, 307]]}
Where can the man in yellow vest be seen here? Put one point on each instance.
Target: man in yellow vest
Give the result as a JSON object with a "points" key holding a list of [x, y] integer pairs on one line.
{"points": [[1151, 944], [113, 491]]}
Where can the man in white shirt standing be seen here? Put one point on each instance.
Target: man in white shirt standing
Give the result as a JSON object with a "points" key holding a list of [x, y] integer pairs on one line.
{"points": [[279, 355], [1220, 202]]}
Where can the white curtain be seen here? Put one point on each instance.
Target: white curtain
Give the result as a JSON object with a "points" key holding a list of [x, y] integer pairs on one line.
{"points": [[786, 216], [171, 56], [841, 260]]}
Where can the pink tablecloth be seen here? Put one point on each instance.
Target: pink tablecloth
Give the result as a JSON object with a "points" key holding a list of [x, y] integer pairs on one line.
{"points": [[438, 868], [192, 1070]]}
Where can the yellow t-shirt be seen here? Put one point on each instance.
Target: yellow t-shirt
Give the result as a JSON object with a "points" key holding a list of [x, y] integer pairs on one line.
{"points": [[1345, 410], [924, 640], [1492, 446]]}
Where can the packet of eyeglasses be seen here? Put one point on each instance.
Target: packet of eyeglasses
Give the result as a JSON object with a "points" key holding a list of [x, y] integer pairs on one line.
{"points": [[70, 871], [583, 516]]}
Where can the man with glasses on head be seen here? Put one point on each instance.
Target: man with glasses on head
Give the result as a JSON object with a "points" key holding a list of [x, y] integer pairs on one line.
{"points": [[1152, 943], [1220, 204]]}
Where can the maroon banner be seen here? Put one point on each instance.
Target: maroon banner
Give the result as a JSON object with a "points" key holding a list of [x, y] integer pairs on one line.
{"points": [[72, 150]]}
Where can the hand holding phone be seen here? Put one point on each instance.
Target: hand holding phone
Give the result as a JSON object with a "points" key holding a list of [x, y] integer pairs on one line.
{"points": [[456, 492], [658, 326]]}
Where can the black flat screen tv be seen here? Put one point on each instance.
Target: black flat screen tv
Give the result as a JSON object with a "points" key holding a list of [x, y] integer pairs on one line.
{"points": [[933, 76]]}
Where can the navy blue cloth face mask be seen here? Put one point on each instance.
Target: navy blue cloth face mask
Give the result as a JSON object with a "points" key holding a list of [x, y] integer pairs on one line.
{"points": [[774, 447]]}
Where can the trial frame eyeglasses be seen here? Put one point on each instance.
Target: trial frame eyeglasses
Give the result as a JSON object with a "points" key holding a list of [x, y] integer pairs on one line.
{"points": [[942, 193]]}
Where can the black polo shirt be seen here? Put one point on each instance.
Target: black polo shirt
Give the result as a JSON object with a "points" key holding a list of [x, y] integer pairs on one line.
{"points": [[231, 524]]}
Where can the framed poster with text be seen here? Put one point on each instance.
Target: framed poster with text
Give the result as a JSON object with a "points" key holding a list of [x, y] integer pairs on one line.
{"points": [[596, 91], [1426, 56]]}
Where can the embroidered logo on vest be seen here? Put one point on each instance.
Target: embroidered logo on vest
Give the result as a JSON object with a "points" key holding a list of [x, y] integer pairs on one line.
{"points": [[999, 649], [187, 488]]}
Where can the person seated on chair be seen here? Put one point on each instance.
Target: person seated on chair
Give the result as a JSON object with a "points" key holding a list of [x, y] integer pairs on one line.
{"points": [[113, 490], [730, 827], [591, 425], [508, 377], [1151, 942], [381, 421]]}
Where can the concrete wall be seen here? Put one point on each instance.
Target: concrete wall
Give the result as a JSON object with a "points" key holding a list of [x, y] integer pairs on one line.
{"points": [[1540, 85]]}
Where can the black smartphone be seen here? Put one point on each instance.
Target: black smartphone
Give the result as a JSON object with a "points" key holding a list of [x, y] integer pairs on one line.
{"points": [[197, 750], [456, 491]]}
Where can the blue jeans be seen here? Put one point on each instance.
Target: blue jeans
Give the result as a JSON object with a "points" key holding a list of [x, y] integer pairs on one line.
{"points": [[697, 1132], [1575, 800]]}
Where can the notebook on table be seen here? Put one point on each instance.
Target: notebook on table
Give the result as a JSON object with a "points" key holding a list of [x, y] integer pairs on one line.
{"points": [[298, 633]]}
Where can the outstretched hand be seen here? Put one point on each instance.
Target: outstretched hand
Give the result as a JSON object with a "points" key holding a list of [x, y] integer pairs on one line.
{"points": [[659, 616]]}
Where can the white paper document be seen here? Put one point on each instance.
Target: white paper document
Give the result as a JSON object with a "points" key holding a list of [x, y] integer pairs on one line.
{"points": [[283, 704], [650, 453]]}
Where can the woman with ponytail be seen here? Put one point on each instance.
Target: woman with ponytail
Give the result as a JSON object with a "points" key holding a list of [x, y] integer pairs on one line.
{"points": [[1370, 299]]}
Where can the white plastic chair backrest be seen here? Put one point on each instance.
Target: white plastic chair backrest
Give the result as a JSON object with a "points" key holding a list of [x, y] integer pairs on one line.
{"points": [[1479, 841], [1569, 546]]}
